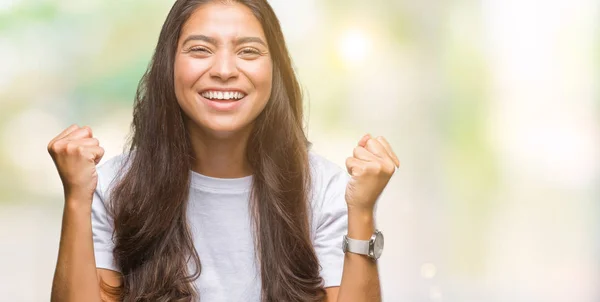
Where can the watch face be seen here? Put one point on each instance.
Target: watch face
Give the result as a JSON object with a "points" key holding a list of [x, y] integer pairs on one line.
{"points": [[378, 245]]}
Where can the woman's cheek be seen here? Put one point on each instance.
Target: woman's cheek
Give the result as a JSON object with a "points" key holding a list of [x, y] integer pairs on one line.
{"points": [[189, 70], [259, 73]]}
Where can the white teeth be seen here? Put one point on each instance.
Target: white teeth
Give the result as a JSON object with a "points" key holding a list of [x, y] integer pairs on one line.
{"points": [[228, 95]]}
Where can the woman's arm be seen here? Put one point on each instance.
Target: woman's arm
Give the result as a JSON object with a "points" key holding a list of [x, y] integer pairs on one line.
{"points": [[76, 153], [372, 165], [360, 279], [75, 276]]}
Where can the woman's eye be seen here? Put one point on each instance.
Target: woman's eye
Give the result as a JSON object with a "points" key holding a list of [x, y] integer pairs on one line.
{"points": [[198, 49], [249, 51]]}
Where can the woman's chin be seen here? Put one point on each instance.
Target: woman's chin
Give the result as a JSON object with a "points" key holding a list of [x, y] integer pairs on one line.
{"points": [[220, 130]]}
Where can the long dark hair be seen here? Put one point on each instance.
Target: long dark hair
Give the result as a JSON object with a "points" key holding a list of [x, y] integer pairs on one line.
{"points": [[153, 243]]}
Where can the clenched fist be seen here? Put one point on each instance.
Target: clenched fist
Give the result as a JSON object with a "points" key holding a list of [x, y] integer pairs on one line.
{"points": [[371, 167], [76, 153]]}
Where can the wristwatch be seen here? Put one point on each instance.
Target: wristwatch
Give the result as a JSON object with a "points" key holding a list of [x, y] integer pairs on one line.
{"points": [[372, 247]]}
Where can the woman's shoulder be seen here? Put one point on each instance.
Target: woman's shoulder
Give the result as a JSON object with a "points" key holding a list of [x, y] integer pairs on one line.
{"points": [[329, 180], [323, 169], [109, 171], [329, 214], [320, 162]]}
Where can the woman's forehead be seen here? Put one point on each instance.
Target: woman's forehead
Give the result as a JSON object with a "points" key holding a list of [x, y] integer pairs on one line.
{"points": [[223, 22]]}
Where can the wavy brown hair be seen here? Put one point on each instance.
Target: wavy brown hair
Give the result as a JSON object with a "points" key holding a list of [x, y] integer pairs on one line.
{"points": [[153, 243]]}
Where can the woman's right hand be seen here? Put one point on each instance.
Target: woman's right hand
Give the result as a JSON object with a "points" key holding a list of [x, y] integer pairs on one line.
{"points": [[76, 153]]}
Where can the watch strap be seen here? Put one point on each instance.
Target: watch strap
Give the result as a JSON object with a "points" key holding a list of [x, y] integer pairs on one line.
{"points": [[358, 246]]}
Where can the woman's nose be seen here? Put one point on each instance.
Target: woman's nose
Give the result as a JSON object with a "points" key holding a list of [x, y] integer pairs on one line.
{"points": [[224, 67]]}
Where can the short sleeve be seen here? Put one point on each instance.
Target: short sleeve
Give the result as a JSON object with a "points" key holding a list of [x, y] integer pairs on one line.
{"points": [[102, 230], [333, 225]]}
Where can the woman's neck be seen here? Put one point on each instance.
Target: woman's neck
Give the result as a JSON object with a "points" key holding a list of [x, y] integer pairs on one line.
{"points": [[220, 155]]}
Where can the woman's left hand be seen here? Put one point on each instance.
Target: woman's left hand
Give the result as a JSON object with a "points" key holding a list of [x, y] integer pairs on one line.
{"points": [[372, 165]]}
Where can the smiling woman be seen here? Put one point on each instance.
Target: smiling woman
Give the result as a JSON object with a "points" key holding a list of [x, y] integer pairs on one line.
{"points": [[222, 50], [219, 196]]}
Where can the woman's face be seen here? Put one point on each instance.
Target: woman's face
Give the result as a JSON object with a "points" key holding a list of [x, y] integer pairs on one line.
{"points": [[223, 70]]}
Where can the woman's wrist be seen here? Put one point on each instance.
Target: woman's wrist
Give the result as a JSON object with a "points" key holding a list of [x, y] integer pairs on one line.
{"points": [[361, 223], [76, 203]]}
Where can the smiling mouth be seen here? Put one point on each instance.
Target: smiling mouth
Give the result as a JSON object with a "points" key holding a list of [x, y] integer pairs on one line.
{"points": [[223, 102], [223, 96]]}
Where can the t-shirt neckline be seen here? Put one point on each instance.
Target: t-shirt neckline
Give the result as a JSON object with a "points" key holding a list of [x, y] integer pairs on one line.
{"points": [[220, 185]]}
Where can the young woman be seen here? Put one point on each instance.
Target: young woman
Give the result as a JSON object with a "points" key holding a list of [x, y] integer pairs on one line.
{"points": [[218, 197]]}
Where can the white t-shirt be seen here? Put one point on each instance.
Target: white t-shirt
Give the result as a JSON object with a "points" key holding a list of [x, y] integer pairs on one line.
{"points": [[222, 230]]}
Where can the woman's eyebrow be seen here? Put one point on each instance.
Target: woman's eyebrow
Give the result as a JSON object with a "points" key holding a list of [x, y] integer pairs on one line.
{"points": [[243, 40], [214, 41], [201, 38]]}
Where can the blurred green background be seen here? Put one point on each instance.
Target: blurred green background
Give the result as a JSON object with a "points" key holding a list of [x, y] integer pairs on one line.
{"points": [[492, 107]]}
